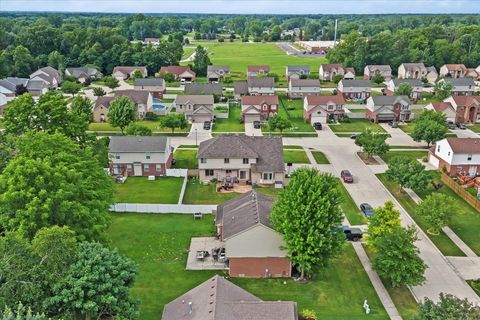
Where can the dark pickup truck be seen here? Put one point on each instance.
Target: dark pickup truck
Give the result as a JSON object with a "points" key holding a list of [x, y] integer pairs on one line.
{"points": [[352, 234]]}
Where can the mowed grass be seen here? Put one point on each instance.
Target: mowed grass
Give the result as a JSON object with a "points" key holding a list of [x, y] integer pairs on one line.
{"points": [[152, 125], [158, 243], [141, 190], [295, 156], [442, 241], [414, 154], [232, 124], [196, 193], [356, 125], [320, 157], [292, 110], [349, 207], [185, 159]]}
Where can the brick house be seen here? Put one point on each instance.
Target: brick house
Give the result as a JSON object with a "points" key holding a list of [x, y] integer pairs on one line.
{"points": [[258, 108], [453, 71], [327, 72], [371, 71], [299, 88], [139, 156], [459, 109], [388, 108], [444, 107], [321, 108], [127, 72], [181, 73], [456, 155], [258, 160], [252, 247], [253, 71], [461, 86], [417, 87], [355, 89]]}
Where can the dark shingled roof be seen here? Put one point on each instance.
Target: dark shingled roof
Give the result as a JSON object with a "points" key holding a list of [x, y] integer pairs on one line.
{"points": [[137, 144], [356, 83], [388, 100], [267, 150], [261, 82], [219, 299], [149, 82], [412, 82], [461, 82], [305, 83], [240, 87], [203, 88]]}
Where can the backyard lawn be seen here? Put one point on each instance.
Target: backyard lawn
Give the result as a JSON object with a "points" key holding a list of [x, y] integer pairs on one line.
{"points": [[414, 154], [197, 193], [474, 128], [295, 156], [232, 124], [153, 125], [292, 110], [336, 292], [185, 159], [320, 157], [141, 190], [356, 125]]}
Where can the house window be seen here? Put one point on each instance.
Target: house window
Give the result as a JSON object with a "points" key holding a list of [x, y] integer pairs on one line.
{"points": [[245, 160], [448, 152], [226, 160], [209, 173], [117, 156], [330, 107], [203, 160], [438, 148], [147, 155], [268, 176], [273, 107], [228, 171], [146, 167], [158, 167], [265, 107], [129, 167], [469, 157]]}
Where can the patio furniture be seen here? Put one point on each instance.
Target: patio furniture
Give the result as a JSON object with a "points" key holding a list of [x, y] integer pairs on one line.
{"points": [[202, 254], [197, 215]]}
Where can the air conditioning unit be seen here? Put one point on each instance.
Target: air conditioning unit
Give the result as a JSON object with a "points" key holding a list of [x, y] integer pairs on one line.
{"points": [[151, 178]]}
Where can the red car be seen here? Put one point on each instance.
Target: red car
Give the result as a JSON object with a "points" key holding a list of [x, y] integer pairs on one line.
{"points": [[346, 176]]}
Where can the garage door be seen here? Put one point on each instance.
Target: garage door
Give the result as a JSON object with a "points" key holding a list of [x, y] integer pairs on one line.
{"points": [[318, 118], [201, 118], [249, 118]]}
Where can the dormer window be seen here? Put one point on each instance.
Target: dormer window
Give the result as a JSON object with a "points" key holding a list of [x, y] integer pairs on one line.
{"points": [[469, 157], [226, 160], [245, 160], [147, 155]]}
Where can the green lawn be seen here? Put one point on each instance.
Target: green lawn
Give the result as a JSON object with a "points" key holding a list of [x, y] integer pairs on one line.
{"points": [[295, 156], [185, 159], [320, 157], [357, 110], [269, 191], [475, 128], [153, 125], [336, 292], [414, 154], [232, 124], [446, 246], [408, 128], [349, 208], [292, 110], [356, 125], [200, 194], [141, 190], [292, 147]]}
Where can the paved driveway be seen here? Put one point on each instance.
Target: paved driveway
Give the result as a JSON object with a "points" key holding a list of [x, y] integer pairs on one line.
{"points": [[467, 133], [197, 132], [399, 137], [251, 131]]}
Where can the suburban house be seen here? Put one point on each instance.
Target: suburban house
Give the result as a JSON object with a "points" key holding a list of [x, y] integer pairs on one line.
{"points": [[204, 88], [197, 108], [50, 76], [139, 156], [457, 155], [154, 41], [321, 108], [297, 72], [143, 101], [417, 87], [320, 47], [219, 299], [461, 86], [123, 73], [355, 89], [217, 73], [181, 73], [388, 108], [327, 72], [240, 89], [83, 74], [473, 73], [156, 86], [373, 70], [299, 88], [253, 248], [261, 86], [459, 109], [258, 160], [258, 108], [9, 86], [453, 71], [253, 71], [417, 71]]}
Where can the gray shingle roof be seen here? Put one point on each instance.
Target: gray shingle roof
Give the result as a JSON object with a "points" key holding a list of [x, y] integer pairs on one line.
{"points": [[298, 68], [305, 83], [35, 85], [12, 83], [79, 71], [261, 82], [412, 82], [214, 68], [219, 299], [194, 99], [240, 87], [267, 150], [388, 100], [356, 83], [137, 144], [381, 67], [203, 88], [461, 81], [149, 82]]}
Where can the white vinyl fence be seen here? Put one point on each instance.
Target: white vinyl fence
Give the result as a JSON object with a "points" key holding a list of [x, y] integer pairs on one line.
{"points": [[162, 208], [177, 172]]}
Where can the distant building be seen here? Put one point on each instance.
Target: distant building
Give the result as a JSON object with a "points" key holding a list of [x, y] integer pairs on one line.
{"points": [[355, 89], [371, 71], [388, 108], [417, 87], [123, 73], [320, 47], [83, 74], [50, 76], [217, 73], [299, 88], [181, 73]]}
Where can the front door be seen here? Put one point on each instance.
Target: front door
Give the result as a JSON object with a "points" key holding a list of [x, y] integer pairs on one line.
{"points": [[243, 175], [137, 169], [472, 170]]}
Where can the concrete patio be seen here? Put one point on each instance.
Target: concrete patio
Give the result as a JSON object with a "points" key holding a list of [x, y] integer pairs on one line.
{"points": [[205, 244]]}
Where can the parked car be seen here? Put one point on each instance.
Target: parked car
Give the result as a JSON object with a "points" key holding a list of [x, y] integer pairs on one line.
{"points": [[367, 210], [256, 124], [451, 125], [317, 126], [461, 126], [352, 234], [346, 176], [207, 125], [355, 136], [393, 124]]}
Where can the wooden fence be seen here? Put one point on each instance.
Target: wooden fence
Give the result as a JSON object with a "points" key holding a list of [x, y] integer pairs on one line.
{"points": [[464, 194]]}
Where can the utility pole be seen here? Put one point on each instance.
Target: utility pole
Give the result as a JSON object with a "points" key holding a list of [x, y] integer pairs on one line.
{"points": [[335, 37]]}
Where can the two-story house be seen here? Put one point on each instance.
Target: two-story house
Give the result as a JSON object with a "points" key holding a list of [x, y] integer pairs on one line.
{"points": [[261, 86], [197, 108], [143, 101], [417, 71], [50, 76], [258, 160], [415, 84], [388, 108], [258, 108], [328, 72], [128, 72], [181, 73], [83, 74], [461, 86], [459, 109], [300, 88], [355, 89], [456, 155], [254, 71], [453, 71], [318, 109], [156, 86], [372, 70], [217, 73], [297, 72], [139, 156]]}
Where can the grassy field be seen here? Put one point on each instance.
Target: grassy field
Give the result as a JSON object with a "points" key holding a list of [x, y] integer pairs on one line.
{"points": [[446, 246], [141, 190], [414, 154], [356, 125], [185, 159], [153, 125], [320, 157], [232, 124], [200, 194], [336, 292], [349, 208], [295, 156]]}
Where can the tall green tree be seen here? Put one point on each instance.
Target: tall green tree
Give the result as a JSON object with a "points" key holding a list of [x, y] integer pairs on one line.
{"points": [[404, 89], [385, 219], [443, 89], [449, 307], [201, 61], [173, 121], [21, 313], [71, 87], [306, 217], [373, 143], [436, 209], [279, 123], [24, 63], [429, 131], [110, 82], [135, 129], [83, 107], [121, 112], [408, 173]]}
